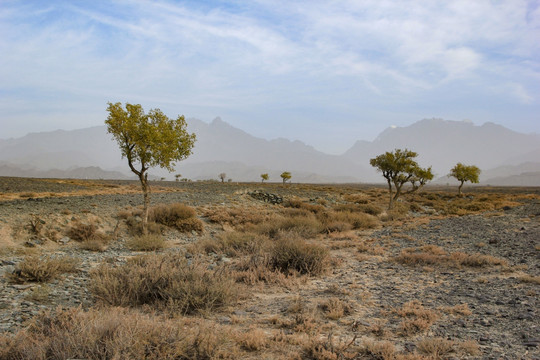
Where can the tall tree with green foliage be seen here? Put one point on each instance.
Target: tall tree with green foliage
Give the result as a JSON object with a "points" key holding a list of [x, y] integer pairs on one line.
{"points": [[264, 177], [286, 176], [465, 173], [398, 168], [148, 140]]}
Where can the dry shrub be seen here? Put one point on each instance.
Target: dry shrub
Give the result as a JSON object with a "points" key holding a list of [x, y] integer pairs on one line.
{"points": [[236, 216], [115, 334], [435, 347], [460, 309], [148, 242], [236, 243], [292, 253], [359, 208], [383, 350], [417, 317], [135, 226], [355, 220], [529, 279], [252, 340], [42, 269], [94, 244], [330, 348], [306, 227], [163, 281], [469, 347], [256, 269], [334, 308], [434, 255], [299, 204], [179, 216], [83, 232]]}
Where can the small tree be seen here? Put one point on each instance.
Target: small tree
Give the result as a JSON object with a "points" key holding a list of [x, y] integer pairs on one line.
{"points": [[285, 176], [177, 177], [398, 168], [465, 173], [148, 140], [222, 176], [264, 177]]}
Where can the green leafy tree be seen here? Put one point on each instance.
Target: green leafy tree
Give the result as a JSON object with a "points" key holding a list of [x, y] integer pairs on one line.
{"points": [[148, 140], [286, 176], [398, 168], [222, 176], [465, 173], [264, 177], [177, 177]]}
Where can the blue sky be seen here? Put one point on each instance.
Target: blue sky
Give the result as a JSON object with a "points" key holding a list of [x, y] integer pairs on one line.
{"points": [[325, 72]]}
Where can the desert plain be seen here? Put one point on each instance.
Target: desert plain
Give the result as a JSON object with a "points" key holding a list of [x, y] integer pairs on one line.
{"points": [[317, 272]]}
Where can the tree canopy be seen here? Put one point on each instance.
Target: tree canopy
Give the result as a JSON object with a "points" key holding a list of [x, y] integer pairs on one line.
{"points": [[398, 168], [465, 173], [264, 177], [148, 140], [286, 175]]}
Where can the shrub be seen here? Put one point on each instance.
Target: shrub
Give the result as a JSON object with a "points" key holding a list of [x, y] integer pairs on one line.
{"points": [[94, 245], [82, 232], [163, 281], [149, 242], [179, 216], [299, 204], [305, 227], [355, 220], [42, 269], [114, 334], [435, 347], [295, 254]]}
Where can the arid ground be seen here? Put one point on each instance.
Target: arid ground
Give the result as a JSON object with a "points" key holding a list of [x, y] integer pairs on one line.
{"points": [[324, 273]]}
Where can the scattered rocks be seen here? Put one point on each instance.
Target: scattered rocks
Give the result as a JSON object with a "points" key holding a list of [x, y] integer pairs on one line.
{"points": [[266, 197]]}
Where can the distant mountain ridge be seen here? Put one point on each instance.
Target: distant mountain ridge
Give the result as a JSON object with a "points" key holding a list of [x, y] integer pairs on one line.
{"points": [[221, 147]]}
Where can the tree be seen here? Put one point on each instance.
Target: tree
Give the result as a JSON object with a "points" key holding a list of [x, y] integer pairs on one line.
{"points": [[286, 176], [222, 176], [264, 177], [177, 177], [465, 173], [398, 168], [148, 140]]}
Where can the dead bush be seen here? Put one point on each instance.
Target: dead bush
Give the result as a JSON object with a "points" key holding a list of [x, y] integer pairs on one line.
{"points": [[299, 204], [334, 308], [306, 227], [355, 220], [417, 318], [435, 347], [148, 242], [42, 269], [94, 244], [434, 255], [135, 226], [236, 216], [179, 216], [165, 281], [115, 333], [293, 253], [83, 232]]}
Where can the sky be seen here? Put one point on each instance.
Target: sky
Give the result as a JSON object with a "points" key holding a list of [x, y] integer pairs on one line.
{"points": [[327, 73]]}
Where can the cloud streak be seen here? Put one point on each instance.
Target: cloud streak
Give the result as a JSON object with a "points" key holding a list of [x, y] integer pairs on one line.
{"points": [[271, 67]]}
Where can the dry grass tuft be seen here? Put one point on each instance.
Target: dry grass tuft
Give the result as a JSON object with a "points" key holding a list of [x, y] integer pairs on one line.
{"points": [[293, 253], [83, 232], [437, 347], [163, 281], [434, 255], [42, 269], [149, 242], [334, 308], [529, 279], [115, 334], [179, 216], [417, 318]]}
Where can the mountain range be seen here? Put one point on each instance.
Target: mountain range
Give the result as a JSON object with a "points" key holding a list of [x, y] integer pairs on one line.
{"points": [[505, 156]]}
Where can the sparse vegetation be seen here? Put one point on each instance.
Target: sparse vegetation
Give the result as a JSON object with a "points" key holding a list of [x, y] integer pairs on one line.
{"points": [[148, 242], [42, 269], [285, 176]]}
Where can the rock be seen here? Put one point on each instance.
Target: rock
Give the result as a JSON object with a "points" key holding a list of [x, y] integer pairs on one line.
{"points": [[64, 240]]}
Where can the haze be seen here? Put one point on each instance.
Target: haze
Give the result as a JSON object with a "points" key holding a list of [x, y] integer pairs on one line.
{"points": [[326, 73]]}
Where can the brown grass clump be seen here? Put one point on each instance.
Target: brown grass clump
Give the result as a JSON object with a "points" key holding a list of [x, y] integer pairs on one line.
{"points": [[294, 254], [94, 244], [236, 216], [383, 350], [306, 227], [83, 232], [252, 340], [359, 208], [354, 220], [434, 255], [163, 281], [115, 334], [299, 204], [148, 242], [437, 347], [334, 308], [179, 216], [42, 269], [529, 279], [417, 318]]}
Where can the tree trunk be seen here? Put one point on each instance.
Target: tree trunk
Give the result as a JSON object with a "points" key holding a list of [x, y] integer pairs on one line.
{"points": [[459, 189], [146, 203], [391, 203]]}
